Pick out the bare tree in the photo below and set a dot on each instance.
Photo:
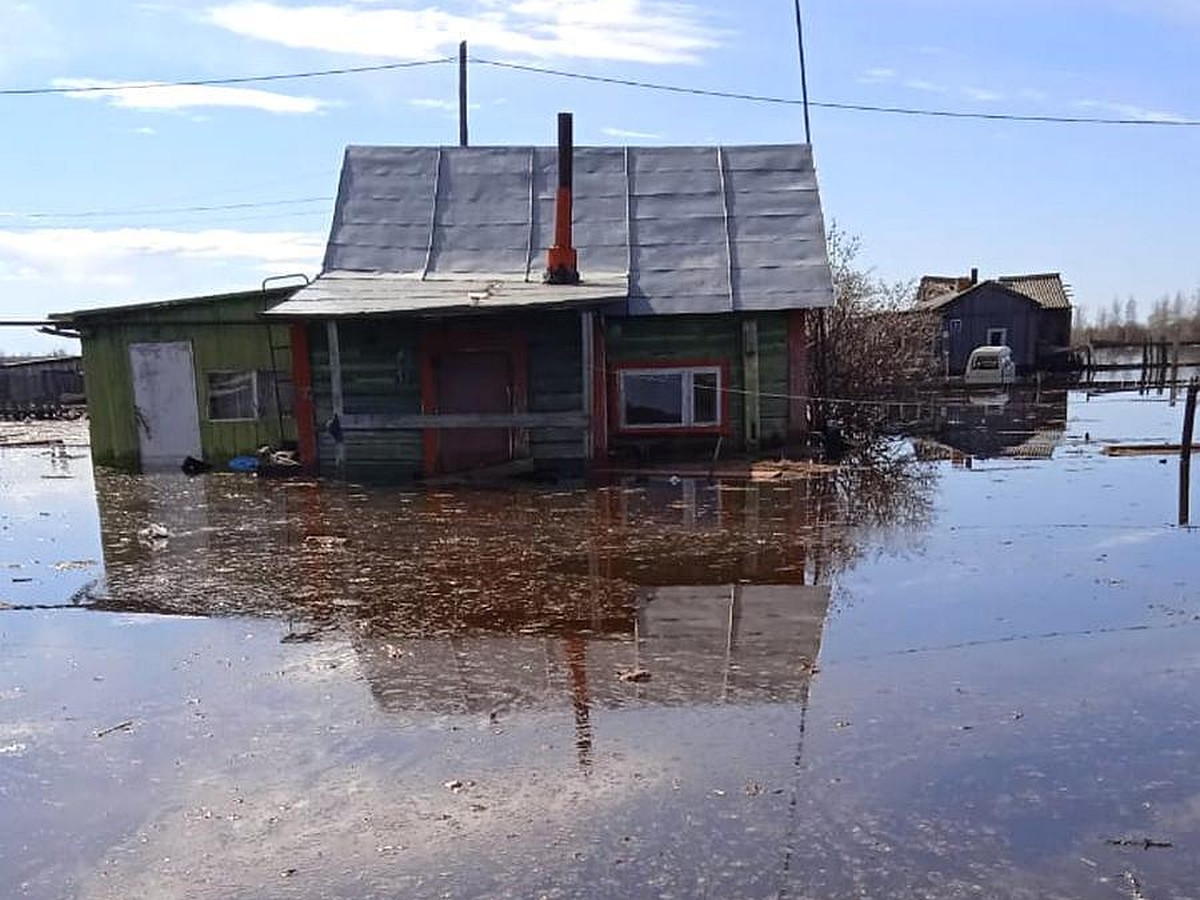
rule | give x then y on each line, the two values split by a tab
878	348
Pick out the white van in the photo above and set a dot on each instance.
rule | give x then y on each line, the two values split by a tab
990	365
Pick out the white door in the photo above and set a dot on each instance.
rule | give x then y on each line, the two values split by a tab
164	397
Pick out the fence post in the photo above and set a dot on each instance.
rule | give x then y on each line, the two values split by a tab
1185	450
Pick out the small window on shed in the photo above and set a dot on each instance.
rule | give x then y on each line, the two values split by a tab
232	396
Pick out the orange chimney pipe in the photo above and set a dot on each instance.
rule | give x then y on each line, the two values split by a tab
562	262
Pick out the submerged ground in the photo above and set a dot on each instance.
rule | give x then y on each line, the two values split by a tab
969	677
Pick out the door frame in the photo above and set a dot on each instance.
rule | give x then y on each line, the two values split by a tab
466	339
138	418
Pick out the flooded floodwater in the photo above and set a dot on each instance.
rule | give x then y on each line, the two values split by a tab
970	675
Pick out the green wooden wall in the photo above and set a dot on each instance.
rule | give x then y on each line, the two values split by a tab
224	335
718	338
381	376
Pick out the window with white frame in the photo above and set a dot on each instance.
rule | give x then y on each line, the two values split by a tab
997	337
684	397
232	396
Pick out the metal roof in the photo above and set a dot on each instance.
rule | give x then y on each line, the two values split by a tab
694	229
354	294
150	307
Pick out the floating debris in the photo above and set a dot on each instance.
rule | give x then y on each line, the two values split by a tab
127	725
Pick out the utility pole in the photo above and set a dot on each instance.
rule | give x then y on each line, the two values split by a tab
462	94
803	73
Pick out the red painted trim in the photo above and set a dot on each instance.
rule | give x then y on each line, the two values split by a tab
305	410
441	339
798	374
600	420
725	427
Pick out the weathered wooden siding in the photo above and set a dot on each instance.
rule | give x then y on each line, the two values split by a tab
991	306
224	335
380	362
380	376
718	338
555	385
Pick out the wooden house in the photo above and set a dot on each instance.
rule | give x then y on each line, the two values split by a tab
26	383
506	308
204	377
1031	314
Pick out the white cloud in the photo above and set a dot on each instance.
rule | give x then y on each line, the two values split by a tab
145	130
981	94
172	97
440	105
113	256
634	135
877	76
647	31
1131	111
928	87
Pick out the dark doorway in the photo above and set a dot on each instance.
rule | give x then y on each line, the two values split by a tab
474	382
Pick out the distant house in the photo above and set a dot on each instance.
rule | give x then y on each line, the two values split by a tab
1029	313
40	381
204	377
437	347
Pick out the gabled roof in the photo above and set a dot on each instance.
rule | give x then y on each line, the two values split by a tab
934	287
1046	290
675	229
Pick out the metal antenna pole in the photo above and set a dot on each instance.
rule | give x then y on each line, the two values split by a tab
803	73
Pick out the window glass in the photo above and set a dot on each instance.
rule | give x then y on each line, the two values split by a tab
653	398
704	398
272	385
231	396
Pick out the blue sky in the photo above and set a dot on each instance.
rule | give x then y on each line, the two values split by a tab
95	188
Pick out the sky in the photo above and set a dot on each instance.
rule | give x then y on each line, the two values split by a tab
112	195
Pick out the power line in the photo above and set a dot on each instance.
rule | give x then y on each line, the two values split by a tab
852	107
207	82
162	210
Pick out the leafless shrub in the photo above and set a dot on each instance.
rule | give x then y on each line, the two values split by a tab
877	349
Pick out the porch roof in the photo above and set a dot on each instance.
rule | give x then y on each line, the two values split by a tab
346	294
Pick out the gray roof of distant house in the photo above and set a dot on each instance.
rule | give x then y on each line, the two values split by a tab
1046	290
683	229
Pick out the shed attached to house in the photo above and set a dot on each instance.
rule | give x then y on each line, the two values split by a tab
201	376
435	346
1031	314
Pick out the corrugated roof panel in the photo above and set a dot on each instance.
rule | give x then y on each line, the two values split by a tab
1047	290
670	215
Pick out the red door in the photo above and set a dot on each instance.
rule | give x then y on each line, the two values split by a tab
474	382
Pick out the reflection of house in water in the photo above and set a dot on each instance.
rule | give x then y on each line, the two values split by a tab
481	602
1017	425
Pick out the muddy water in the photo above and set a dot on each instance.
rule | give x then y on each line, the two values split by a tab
943	680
